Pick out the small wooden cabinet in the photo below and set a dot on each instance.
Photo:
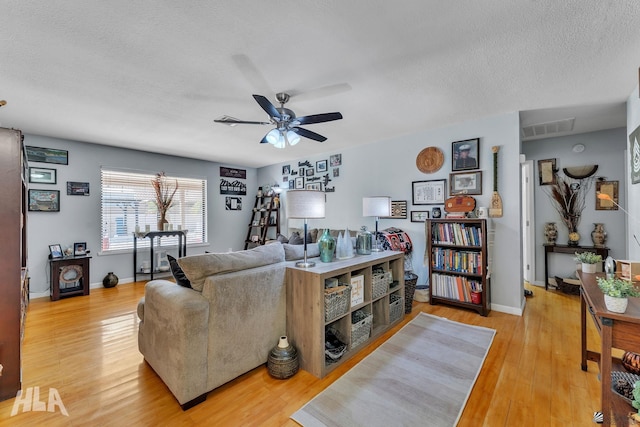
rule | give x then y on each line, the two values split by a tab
69	277
459	263
307	324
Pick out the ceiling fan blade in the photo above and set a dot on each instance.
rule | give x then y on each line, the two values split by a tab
233	121
317	118
319	92
308	134
264	139
267	106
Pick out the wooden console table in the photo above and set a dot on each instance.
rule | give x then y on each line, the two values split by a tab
621	331
566	249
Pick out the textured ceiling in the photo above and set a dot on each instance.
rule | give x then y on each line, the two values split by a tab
152	75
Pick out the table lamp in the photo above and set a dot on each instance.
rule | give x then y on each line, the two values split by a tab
305	204
376	206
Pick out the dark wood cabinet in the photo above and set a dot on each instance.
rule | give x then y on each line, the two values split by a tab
69	277
459	263
14	280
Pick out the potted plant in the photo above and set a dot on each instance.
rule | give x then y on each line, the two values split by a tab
634	417
588	260
616	293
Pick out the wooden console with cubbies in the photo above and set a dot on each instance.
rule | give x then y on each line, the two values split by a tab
319	303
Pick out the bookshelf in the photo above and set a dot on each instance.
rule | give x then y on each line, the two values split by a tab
459	263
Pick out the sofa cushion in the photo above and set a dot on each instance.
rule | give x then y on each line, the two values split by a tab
198	267
282	239
296	252
178	274
295	239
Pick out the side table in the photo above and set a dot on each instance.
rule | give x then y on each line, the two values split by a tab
566	249
69	277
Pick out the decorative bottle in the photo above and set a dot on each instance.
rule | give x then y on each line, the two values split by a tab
110	280
363	242
327	246
283	362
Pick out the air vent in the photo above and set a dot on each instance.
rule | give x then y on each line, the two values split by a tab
548	128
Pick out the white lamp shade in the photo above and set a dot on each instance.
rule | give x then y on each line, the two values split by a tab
305	204
376	206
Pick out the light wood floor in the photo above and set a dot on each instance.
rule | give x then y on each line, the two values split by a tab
86	348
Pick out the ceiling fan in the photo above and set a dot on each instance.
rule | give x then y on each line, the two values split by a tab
287	125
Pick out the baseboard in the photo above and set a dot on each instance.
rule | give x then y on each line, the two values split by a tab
97	285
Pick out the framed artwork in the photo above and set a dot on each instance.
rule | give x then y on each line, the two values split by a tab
321	166
286	170
398	209
464	154
316	186
77	188
47	155
336	172
419	216
357	290
55	251
299	183
80	249
310	172
547	171
465	183
292	184
634	147
610	188
233	203
301	171
335	160
42	176
431	192
44	200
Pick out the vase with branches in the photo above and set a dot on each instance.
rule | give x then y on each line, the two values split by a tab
568	198
165	191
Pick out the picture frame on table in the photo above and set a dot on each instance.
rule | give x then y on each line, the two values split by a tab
419	216
80	249
42	176
429	192
55	251
44	200
465	154
465	183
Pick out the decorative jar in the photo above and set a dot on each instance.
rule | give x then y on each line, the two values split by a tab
110	280
327	246
598	235
283	362
363	242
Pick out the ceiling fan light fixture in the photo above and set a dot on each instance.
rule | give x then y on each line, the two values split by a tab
274	137
292	137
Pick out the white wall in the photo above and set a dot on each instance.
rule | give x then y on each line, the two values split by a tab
387	168
79	216
605	149
633	190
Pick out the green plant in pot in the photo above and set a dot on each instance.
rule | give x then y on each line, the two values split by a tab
616	293
635	416
588	260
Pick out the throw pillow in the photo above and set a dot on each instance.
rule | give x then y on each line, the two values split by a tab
282	239
178	274
296	239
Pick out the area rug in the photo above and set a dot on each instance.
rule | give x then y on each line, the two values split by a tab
421	376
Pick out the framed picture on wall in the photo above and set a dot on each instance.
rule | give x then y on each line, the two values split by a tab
610	190
464	154
432	192
44	200
547	171
419	216
42	176
465	183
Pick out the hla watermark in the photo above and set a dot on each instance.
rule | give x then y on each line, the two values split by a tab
30	401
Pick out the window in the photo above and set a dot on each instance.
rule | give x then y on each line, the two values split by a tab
128	201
